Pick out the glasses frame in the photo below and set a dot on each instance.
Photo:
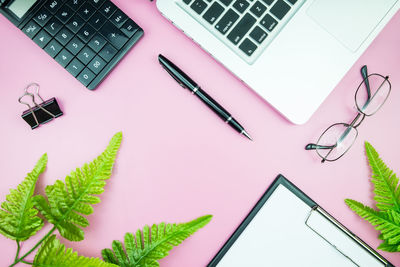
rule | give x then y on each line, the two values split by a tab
356	121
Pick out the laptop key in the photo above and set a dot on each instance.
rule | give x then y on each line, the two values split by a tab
213	13
292	1
258	35
258	9
241	5
187	2
280	9
268	22
240	30
226	2
227	21
268	2
248	47
198	6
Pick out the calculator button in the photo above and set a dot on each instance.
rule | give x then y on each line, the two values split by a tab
86	33
97	64
31	29
42	38
64	58
42	17
129	28
75	4
97	43
86	76
53	48
108	9
53	5
96	3
75	67
64	36
75	46
86	55
53	26
113	35
119	18
64	13
86	11
97	20
75	24
108	52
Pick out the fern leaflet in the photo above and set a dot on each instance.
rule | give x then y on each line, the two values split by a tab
53	254
151	244
388	223
387	189
69	201
18	218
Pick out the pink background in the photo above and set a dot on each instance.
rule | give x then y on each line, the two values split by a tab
178	160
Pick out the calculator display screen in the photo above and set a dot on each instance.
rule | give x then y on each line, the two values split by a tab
20	7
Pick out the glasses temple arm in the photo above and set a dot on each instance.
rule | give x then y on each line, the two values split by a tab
312	146
364	74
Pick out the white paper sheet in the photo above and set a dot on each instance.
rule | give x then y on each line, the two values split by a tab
278	236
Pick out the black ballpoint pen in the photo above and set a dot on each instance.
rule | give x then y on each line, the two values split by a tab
186	82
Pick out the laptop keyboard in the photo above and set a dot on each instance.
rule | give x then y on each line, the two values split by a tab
245	26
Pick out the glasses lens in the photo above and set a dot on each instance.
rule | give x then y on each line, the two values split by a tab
335	141
369	99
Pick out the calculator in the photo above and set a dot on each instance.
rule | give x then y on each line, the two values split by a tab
86	37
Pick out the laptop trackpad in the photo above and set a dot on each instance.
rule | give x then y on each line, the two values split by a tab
350	21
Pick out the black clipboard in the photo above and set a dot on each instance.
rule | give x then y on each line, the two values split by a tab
281	180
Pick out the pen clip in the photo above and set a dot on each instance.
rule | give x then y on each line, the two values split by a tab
175	78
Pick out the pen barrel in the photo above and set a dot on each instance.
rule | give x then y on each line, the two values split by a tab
212	104
218	109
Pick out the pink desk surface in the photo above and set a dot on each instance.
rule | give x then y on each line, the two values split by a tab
178	160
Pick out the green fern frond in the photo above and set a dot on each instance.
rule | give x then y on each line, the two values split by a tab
69	201
387	189
388	223
18	218
151	244
385	246
53	254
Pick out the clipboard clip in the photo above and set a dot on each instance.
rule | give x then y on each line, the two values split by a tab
331	219
38	114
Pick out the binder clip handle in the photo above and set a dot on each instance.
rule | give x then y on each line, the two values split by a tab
38	113
35	87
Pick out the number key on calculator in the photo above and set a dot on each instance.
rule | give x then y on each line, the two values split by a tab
86	37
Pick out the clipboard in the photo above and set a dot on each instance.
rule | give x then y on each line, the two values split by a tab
306	235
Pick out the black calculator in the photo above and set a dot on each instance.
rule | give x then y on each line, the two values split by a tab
87	37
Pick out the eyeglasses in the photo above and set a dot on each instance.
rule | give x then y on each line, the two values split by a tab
370	96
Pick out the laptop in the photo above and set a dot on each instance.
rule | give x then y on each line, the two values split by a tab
292	53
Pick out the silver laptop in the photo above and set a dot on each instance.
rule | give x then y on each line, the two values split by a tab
291	52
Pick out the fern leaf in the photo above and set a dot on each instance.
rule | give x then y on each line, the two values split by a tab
68	202
151	244
387	189
54	254
388	223
18	218
385	246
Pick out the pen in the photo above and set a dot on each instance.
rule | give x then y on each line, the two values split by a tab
186	82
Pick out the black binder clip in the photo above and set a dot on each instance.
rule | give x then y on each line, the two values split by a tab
39	113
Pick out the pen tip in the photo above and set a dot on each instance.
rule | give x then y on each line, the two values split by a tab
247	135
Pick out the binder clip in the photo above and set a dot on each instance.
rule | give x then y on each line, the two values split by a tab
39	113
